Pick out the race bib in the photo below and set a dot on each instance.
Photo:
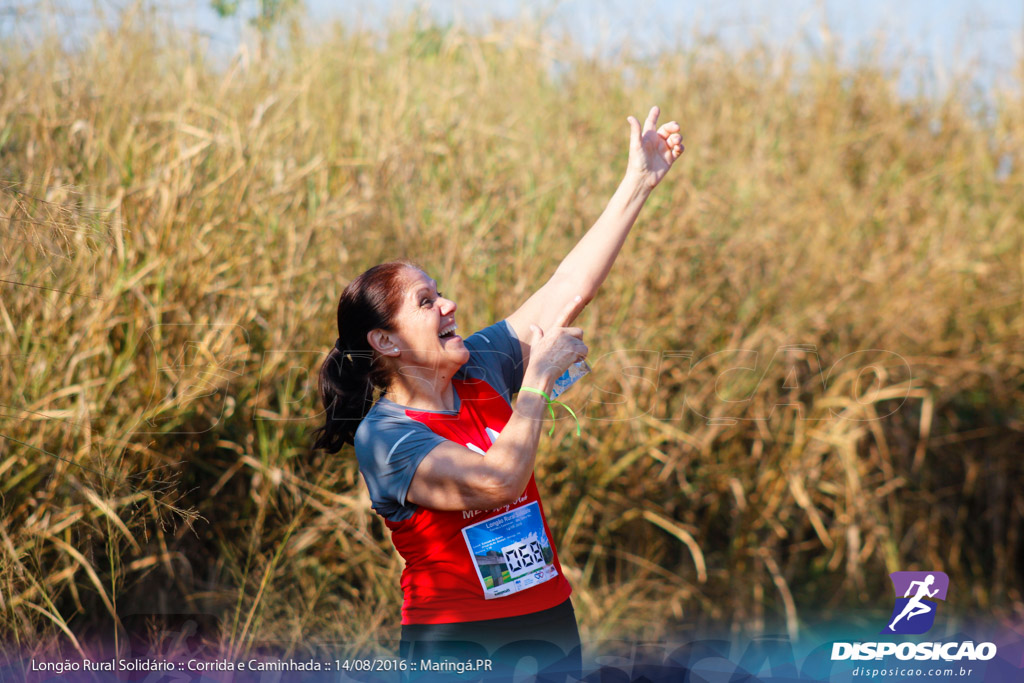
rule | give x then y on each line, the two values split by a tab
511	552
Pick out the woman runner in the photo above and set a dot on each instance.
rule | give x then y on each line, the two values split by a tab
449	461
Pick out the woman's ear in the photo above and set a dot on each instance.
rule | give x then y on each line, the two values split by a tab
382	343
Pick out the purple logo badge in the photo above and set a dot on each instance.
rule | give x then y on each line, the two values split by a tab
916	595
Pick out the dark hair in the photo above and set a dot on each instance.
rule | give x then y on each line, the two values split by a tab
353	369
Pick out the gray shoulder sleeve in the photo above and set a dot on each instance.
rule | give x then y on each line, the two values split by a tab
389	450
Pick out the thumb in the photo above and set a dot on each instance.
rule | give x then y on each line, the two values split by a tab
634	132
538	334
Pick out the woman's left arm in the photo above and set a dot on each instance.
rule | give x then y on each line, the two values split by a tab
651	154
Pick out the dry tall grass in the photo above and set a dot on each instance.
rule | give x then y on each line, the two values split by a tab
175	236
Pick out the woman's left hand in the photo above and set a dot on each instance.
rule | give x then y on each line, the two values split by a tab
653	151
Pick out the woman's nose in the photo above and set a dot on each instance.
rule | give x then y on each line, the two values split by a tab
447	306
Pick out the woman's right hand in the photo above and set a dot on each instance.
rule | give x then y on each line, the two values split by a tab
552	351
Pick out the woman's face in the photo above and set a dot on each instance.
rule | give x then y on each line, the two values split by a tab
424	327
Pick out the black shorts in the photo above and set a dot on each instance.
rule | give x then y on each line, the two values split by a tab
547	642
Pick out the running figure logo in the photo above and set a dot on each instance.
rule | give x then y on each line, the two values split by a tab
914	612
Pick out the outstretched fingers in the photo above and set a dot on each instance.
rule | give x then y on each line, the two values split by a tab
653	149
652	119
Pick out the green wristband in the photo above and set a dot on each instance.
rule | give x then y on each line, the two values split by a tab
551	408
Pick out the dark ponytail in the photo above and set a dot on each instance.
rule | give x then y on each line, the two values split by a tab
353	371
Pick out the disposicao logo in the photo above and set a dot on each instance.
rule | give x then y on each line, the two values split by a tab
916	593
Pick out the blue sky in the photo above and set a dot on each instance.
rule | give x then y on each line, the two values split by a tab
935	38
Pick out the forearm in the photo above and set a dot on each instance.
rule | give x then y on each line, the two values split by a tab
652	151
588	263
512	456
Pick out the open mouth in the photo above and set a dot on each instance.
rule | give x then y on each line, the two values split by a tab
448	331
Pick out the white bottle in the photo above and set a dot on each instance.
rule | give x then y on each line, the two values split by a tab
569	377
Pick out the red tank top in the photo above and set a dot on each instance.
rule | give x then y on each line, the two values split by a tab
478	564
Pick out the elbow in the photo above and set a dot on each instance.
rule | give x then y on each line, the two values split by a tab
575	285
502	490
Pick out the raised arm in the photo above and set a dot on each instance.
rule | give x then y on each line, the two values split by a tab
652	151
